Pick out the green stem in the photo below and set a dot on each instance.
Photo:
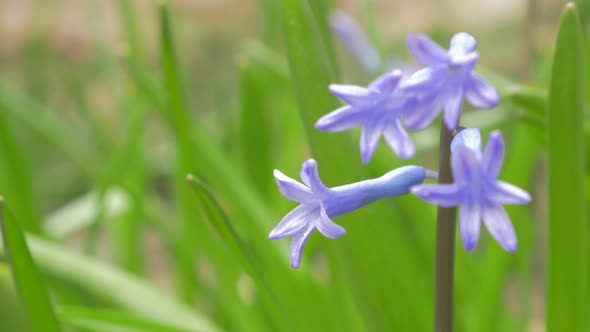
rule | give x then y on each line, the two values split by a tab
445	242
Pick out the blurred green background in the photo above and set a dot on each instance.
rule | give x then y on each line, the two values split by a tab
106	106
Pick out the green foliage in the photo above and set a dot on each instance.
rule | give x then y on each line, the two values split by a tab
567	279
122	241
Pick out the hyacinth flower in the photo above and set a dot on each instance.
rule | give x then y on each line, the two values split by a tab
448	78
476	190
378	109
319	204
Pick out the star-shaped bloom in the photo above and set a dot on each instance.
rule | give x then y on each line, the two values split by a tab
448	78
318	203
476	190
378	109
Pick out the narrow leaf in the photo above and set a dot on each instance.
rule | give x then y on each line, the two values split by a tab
567	305
30	287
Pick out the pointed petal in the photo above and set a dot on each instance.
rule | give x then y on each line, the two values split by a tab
500	227
427	79
370	138
342	119
386	83
298	243
292	189
506	193
493	155
399	141
295	220
426	51
421	116
309	175
352	94
463	42
469	223
445	195
452	106
480	93
327	227
469	137
465	164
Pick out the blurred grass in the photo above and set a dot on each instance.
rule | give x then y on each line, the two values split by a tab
153	122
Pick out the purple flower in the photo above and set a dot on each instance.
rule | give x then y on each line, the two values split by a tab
318	203
447	79
477	190
377	109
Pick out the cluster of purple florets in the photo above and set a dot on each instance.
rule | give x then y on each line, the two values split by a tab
391	104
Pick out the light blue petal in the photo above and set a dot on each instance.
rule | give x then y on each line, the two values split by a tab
500	227
309	176
506	193
370	137
299	218
352	94
386	83
469	137
480	93
327	227
426	51
445	195
298	243
493	155
342	119
399	141
292	189
469	223
466	165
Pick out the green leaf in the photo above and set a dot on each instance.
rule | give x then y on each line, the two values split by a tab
567	303
112	320
109	284
32	291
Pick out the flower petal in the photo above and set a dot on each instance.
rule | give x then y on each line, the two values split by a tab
493	155
292	189
298	243
465	164
352	94
480	93
463	42
399	141
370	137
506	193
386	83
295	220
423	114
427	79
445	195
309	175
500	227
327	227
452	105
342	119
469	223
426	51
469	137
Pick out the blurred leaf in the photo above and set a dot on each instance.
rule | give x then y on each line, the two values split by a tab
109	284
32	292
113	321
567	302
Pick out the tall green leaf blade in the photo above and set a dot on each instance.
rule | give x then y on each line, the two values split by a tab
567	305
32	291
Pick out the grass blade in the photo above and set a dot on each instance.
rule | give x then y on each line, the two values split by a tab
567	306
31	290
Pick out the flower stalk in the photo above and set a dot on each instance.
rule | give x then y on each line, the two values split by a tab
445	241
